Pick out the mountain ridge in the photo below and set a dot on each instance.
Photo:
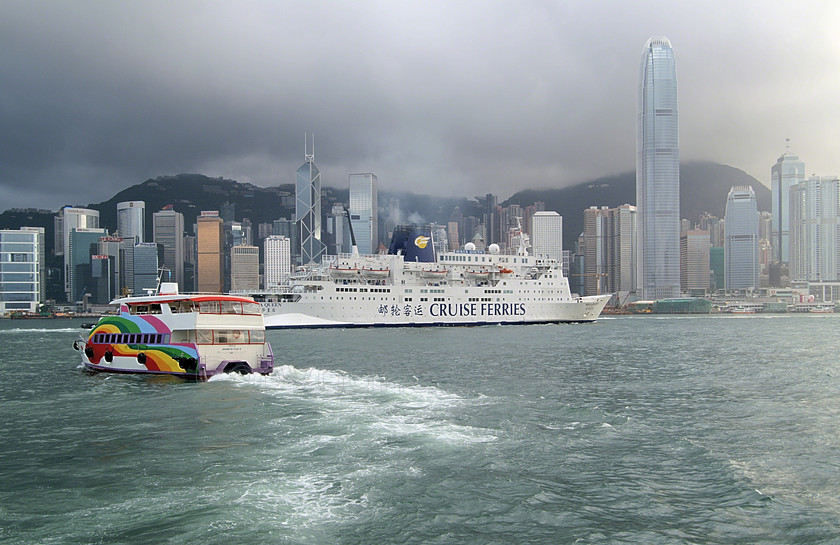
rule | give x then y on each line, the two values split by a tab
704	187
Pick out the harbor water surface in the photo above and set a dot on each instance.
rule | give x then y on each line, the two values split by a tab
708	429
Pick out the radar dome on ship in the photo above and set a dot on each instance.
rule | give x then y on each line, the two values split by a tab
493	248
469	246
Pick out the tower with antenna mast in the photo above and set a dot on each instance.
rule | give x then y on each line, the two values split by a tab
308	206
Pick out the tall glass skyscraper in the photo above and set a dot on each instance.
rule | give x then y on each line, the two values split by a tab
786	173
363	211
740	243
168	229
131	220
658	173
308	209
815	230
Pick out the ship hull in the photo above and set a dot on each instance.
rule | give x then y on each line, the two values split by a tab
372	314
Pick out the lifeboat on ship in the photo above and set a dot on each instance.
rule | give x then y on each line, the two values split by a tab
477	274
375	273
433	273
345	271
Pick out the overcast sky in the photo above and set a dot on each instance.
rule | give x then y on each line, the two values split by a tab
455	98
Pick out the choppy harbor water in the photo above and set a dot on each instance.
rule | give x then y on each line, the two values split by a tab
632	430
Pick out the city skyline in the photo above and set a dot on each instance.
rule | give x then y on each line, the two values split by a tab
427	108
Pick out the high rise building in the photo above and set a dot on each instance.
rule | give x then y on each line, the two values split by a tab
741	263
278	261
609	250
168	230
109	247
147	259
22	281
547	235
658	173
363	211
786	173
244	268
308	209
74	218
595	251
131	220
210	243
695	246
815	230
83	244
452	234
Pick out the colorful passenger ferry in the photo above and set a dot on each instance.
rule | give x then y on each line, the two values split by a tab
189	335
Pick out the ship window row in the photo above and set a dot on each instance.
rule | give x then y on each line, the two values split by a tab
229	336
492	291
131	338
204	307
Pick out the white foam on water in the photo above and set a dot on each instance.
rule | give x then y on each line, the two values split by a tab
340	436
18	330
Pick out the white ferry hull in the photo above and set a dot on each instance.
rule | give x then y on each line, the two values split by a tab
374	314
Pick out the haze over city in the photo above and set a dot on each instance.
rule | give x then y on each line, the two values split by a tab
433	97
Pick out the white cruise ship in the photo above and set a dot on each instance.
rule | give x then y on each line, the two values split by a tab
411	286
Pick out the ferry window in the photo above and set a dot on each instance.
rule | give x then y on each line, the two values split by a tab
258	336
204	336
230	336
231	307
208	307
154	308
250	308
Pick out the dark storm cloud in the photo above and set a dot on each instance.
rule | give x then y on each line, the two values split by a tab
434	97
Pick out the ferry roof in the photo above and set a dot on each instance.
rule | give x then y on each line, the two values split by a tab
166	298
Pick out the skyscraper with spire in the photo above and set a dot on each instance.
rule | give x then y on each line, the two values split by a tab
308	207
786	173
658	173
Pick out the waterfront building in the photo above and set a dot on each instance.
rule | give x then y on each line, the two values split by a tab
815	230
22	269
210	243
716	265
111	248
147	258
244	268
131	220
363	211
609	251
786	173
74	218
101	286
278	261
83	244
338	231
547	235
308	209
595	252
168	230
658	173
741	263
291	230
694	260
